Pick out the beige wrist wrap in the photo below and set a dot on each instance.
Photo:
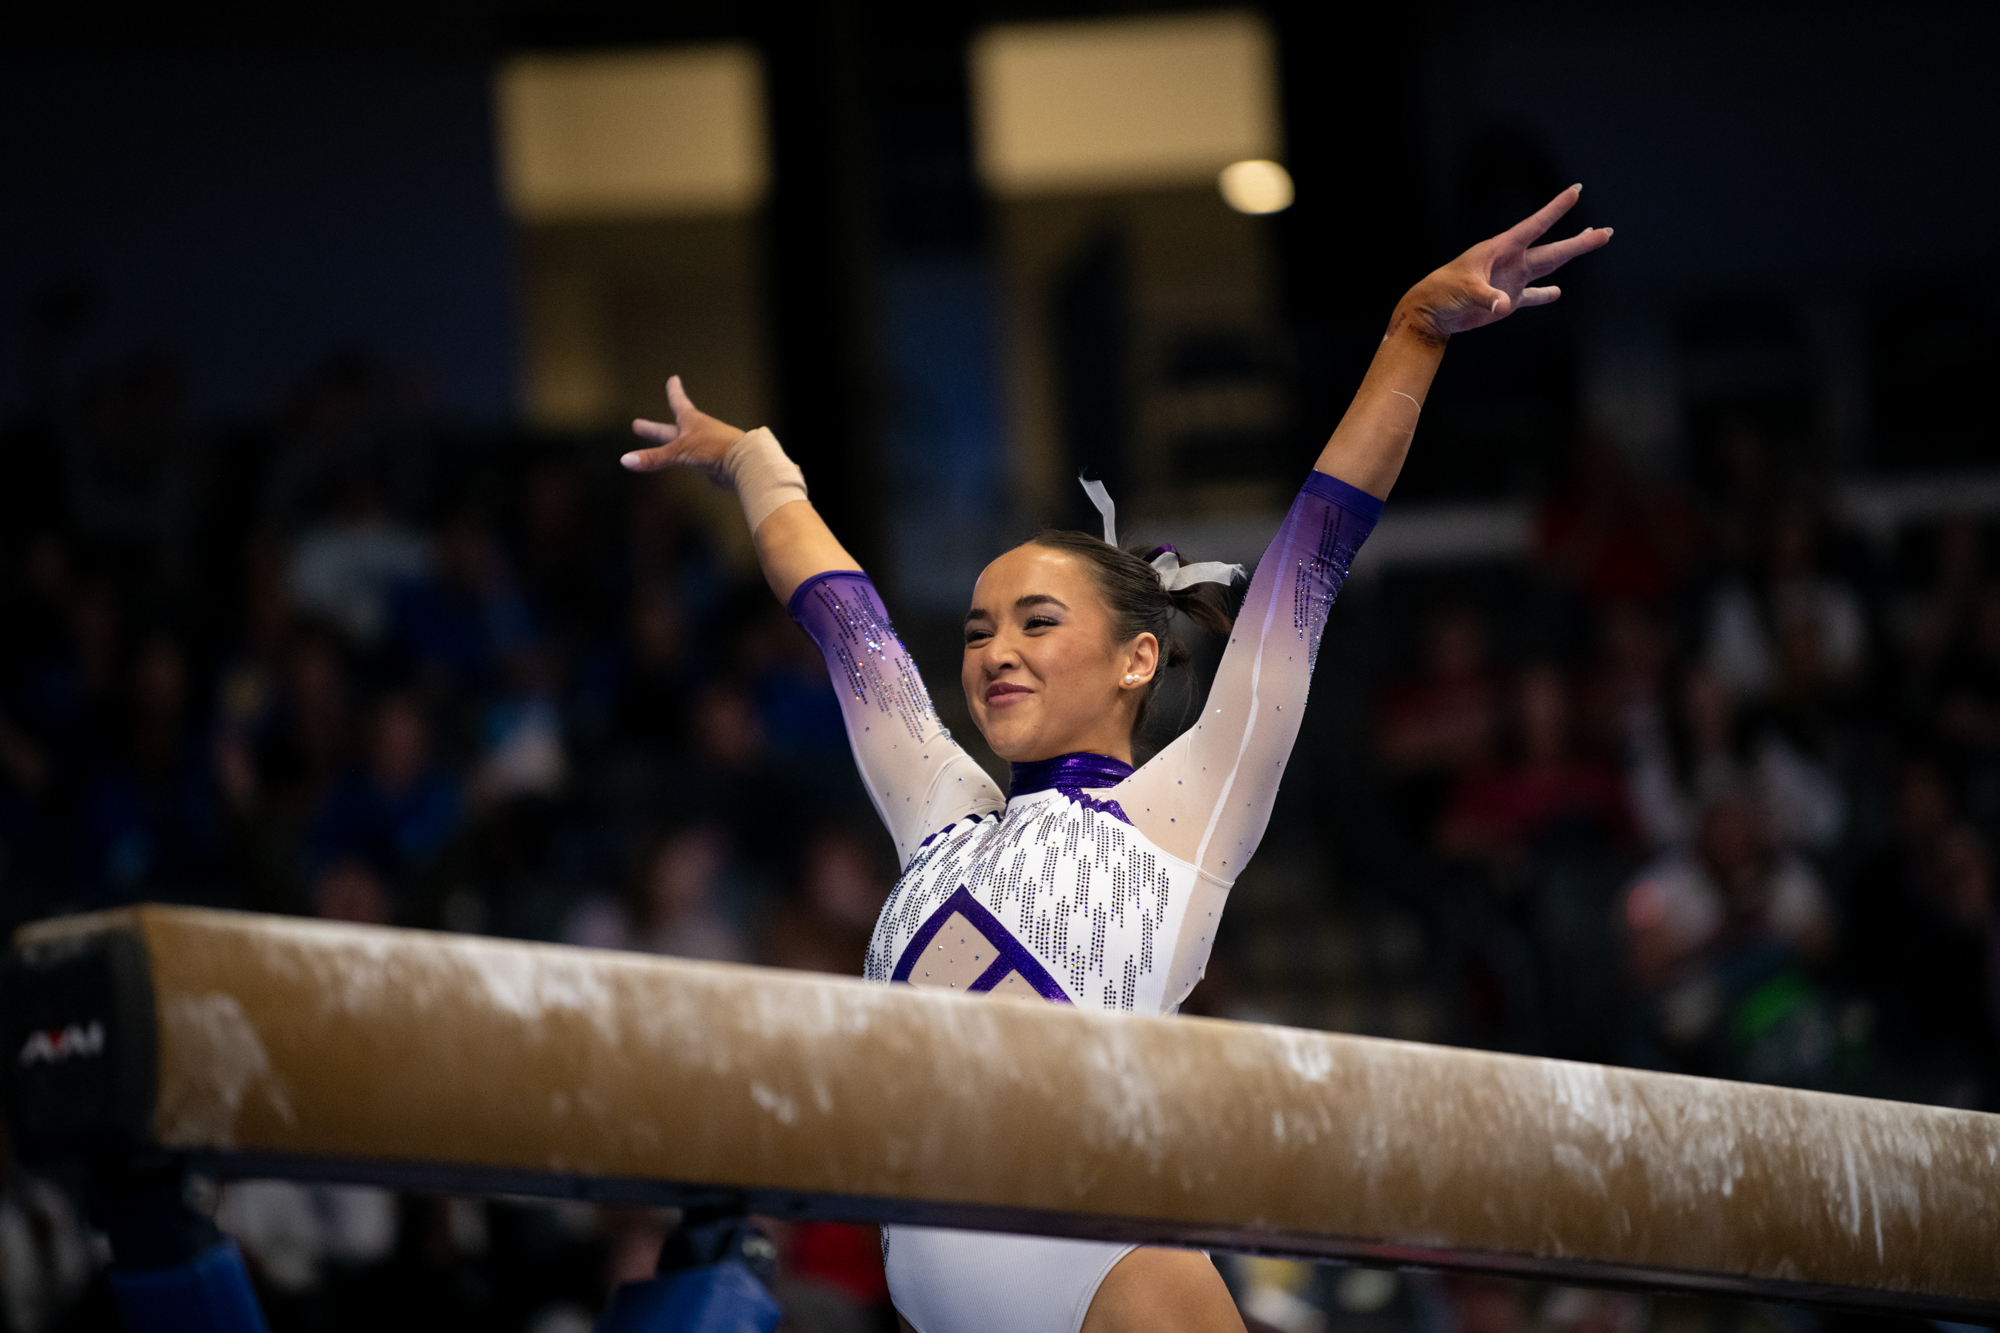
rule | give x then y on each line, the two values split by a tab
763	477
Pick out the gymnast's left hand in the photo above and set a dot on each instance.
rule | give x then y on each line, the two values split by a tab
1490	281
695	439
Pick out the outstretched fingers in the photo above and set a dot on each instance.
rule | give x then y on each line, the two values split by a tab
670	445
1528	228
1538	296
652	460
677	398
1544	259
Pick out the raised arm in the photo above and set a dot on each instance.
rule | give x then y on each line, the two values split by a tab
1482	286
793	541
917	776
1207	797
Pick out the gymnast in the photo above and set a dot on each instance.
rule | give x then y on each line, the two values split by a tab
1091	882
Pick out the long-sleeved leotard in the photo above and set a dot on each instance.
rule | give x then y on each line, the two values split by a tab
1090	884
1107	897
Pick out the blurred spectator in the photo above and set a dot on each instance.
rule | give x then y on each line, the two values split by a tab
1672	772
1499	812
302	738
827	924
1736	884
1923	943
675	905
349	889
1968	712
65	677
1276	1294
1932	619
1629	676
153	820
1481	1304
346	568
731	774
455	620
45	1254
656	694
665	545
293	1233
1794	616
1710	928
523	751
392	817
796	704
1586	1310
1748	477
1613	536
561	562
830	1277
1443	720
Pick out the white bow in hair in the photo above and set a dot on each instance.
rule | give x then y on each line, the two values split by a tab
1102	499
1173	574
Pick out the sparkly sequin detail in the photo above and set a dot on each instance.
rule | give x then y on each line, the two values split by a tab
867	658
1066	873
1088	896
1322	571
1011	956
1067	772
1103	807
1072	774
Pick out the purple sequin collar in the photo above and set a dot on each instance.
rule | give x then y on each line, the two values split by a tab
1071	774
1068	770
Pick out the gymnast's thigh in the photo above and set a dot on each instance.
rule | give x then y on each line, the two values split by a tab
1155	1289
981	1282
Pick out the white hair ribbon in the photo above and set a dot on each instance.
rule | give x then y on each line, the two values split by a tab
1167	564
1174	575
1102	499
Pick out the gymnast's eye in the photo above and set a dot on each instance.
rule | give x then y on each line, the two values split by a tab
976	634
1041	622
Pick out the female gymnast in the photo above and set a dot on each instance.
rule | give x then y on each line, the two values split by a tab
1091	882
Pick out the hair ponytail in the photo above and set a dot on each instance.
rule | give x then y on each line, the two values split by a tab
1140	603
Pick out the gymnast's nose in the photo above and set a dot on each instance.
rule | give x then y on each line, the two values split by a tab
1000	655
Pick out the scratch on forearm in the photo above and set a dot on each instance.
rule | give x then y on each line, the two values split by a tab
1422	328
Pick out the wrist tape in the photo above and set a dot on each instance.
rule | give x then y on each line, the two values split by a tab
763	476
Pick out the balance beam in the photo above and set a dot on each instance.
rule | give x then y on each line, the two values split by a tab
260	1046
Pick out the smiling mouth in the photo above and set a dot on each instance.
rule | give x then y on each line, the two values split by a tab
1001	694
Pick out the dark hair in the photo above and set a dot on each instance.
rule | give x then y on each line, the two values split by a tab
1139	603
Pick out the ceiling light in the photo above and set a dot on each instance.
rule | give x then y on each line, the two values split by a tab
1256	186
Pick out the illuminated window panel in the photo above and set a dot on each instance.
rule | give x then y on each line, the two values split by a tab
647	134
1123	103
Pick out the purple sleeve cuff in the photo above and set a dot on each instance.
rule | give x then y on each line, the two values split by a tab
1351	498
797	604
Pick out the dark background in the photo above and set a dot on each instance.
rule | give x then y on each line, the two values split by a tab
259	286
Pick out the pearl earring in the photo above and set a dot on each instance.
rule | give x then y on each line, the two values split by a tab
1131	676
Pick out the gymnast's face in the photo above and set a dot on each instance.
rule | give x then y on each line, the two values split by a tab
1044	672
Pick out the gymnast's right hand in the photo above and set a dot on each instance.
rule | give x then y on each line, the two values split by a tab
695	439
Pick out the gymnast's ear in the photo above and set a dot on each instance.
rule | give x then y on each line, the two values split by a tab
1142	659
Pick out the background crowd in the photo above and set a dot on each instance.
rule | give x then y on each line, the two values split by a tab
1708	783
1659	724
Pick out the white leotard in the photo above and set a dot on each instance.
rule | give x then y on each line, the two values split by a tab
1094	885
